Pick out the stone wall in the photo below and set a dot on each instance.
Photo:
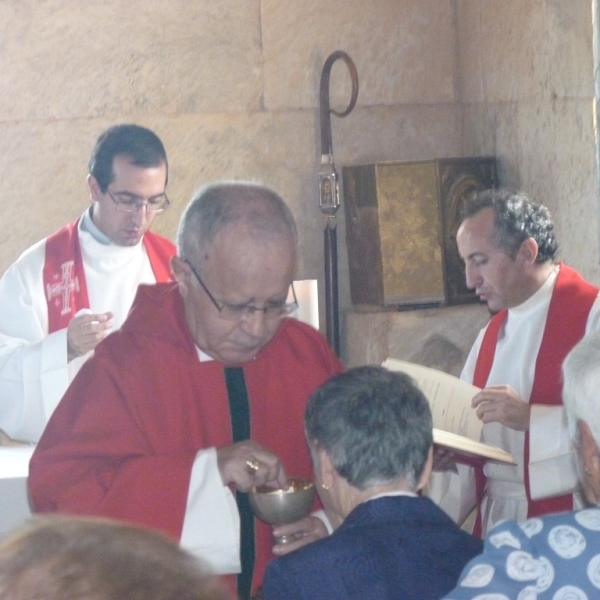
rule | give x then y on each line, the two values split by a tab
526	89
527	92
232	89
439	338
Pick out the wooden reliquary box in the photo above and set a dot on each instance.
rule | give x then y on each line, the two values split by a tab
401	222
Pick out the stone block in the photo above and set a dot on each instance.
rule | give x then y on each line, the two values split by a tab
570	41
513	49
470	67
70	59
492	130
404	51
439	338
559	177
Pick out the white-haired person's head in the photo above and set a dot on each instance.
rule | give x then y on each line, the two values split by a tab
581	397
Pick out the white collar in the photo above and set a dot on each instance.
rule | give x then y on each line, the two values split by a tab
395	493
87	224
203	356
540	296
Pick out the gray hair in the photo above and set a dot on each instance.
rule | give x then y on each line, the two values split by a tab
516	218
216	206
375	425
581	389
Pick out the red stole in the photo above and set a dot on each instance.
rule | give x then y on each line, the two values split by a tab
570	305
64	275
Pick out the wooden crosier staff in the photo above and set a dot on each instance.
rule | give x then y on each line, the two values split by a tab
329	197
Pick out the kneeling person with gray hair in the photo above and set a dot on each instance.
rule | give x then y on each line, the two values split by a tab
370	435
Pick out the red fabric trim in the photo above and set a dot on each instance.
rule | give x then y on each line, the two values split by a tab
160	251
63	277
570	306
485	358
483	366
571	302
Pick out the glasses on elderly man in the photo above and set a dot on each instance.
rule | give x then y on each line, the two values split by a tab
241	312
130	203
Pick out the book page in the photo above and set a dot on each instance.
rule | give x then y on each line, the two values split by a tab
449	398
455	422
468	447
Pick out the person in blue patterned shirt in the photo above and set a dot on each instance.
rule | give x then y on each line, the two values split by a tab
555	557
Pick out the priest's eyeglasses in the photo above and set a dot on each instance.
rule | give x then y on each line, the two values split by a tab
131	203
237	312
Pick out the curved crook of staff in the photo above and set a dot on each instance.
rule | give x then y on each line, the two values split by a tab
325	109
329	193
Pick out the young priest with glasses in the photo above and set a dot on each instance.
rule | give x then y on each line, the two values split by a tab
67	292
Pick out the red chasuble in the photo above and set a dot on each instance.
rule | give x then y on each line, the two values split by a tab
64	274
570	305
124	437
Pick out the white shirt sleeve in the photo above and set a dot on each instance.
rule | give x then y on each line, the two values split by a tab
33	364
211	526
552	469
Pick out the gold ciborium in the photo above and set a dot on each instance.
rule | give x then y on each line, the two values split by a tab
279	507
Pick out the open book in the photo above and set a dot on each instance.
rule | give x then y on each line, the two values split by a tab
456	425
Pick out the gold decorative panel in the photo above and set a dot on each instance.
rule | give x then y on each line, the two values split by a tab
401	221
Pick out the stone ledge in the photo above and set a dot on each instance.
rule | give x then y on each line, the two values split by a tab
435	337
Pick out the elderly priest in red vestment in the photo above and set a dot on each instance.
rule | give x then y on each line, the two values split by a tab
200	395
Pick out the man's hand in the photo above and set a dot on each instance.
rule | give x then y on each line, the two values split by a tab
501	404
85	332
444	459
247	463
307	530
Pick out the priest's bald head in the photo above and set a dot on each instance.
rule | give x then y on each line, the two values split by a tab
237	256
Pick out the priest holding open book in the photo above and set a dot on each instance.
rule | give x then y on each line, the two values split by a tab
542	309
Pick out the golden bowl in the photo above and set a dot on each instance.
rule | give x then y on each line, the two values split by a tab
277	506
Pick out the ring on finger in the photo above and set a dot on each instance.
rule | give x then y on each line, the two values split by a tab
252	466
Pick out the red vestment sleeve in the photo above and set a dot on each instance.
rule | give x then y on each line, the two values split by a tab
123	457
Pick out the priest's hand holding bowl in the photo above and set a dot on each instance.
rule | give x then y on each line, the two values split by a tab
306	530
249	465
